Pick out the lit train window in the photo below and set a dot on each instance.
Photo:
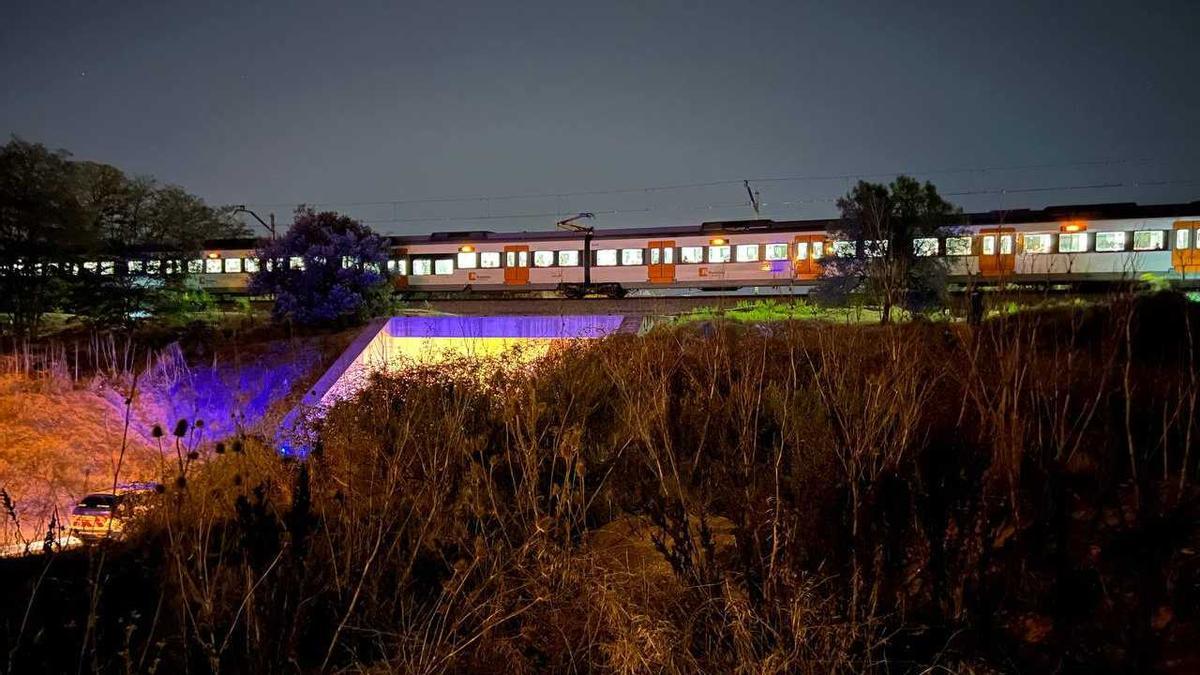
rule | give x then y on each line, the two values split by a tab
1006	244
719	254
1038	243
153	266
296	263
250	265
233	265
90	266
631	256
195	266
1148	240
843	249
568	258
802	251
691	254
443	266
1075	242
925	247
776	252
107	267
958	246
606	257
212	265
1110	241
136	266
817	250
422	267
874	248
489	260
988	245
1183	238
467	260
747	253
543	258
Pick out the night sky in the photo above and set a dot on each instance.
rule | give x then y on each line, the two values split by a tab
354	106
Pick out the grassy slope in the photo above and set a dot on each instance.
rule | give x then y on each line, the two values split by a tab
812	498
61	438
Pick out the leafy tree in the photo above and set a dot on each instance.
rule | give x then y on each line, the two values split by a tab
56	213
341	277
125	212
129	214
881	223
182	221
41	228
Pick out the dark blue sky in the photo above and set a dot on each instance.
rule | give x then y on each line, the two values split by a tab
345	103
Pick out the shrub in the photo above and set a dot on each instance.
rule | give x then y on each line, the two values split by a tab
811	498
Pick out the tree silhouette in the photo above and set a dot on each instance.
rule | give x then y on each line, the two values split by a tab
877	255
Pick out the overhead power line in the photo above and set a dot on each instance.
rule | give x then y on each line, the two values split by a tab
796	201
714	183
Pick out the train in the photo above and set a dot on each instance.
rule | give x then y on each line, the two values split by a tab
1075	244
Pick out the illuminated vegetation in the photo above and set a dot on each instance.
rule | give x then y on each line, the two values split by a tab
813	498
769	310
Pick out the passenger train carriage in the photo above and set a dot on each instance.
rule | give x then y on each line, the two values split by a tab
1089	243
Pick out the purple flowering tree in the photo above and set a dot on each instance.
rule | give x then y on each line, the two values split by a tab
327	269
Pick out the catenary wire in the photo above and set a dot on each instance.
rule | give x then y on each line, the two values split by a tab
713	183
797	201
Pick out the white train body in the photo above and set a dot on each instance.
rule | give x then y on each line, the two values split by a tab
1097	243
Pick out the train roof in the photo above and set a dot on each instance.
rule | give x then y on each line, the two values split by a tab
1108	211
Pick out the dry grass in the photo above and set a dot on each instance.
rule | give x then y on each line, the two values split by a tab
57	446
63	409
791	498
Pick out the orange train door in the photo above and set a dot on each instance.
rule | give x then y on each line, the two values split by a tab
1185	249
398	265
997	251
661	269
516	265
808	250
